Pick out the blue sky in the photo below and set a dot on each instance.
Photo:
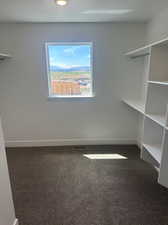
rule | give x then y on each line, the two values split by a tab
69	56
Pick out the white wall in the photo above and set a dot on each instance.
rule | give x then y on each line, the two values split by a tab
7	214
29	118
158	27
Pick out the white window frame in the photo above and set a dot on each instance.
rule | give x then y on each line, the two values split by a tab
50	95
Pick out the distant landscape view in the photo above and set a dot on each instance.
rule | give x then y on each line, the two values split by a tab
70	70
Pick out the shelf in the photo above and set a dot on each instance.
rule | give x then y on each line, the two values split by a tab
4	56
155	151
150	92
137	105
158	82
160	119
160	43
157	169
140	52
144	51
156	105
147	157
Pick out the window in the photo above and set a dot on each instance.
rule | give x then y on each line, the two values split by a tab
69	68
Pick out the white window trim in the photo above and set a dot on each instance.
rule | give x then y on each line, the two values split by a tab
50	96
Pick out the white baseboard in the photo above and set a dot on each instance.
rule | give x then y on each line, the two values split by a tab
16	222
66	142
139	144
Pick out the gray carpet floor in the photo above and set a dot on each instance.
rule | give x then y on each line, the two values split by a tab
59	186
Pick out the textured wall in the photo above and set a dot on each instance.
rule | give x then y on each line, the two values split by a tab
30	118
157	27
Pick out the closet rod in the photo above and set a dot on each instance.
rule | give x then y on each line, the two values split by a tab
138	56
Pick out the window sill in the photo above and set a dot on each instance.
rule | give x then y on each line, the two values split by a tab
71	98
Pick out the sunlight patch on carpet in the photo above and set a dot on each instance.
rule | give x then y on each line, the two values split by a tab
104	156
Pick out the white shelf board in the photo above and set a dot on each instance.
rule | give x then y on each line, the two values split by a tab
155	151
137	105
158	82
160	43
146	49
4	56
160	119
157	169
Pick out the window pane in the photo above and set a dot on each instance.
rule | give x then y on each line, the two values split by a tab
70	70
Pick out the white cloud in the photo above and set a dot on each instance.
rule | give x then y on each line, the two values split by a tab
67	66
71	50
52	62
62	66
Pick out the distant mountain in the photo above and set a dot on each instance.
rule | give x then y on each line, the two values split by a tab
72	69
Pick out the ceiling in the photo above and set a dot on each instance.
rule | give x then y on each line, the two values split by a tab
80	10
